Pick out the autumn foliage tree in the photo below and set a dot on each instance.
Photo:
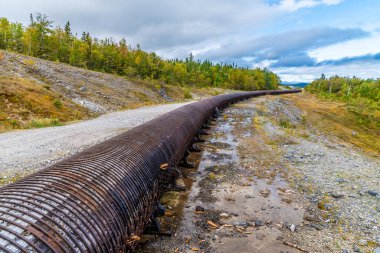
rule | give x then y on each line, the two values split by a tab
40	39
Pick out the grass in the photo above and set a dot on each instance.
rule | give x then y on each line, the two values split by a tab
335	118
46	122
285	123
187	94
27	104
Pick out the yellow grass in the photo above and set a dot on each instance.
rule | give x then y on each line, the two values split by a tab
26	104
334	118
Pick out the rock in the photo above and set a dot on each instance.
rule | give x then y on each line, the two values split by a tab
356	249
316	226
378	239
308	217
354	133
215	237
243	224
224	215
259	223
287	200
337	195
180	184
199	209
260	236
363	242
361	217
265	193
83	88
235	214
341	180
251	223
328	206
279	238
372	193
345	251
292	227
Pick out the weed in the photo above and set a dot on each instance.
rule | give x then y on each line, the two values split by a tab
46	122
46	86
14	123
29	62
285	123
58	104
212	176
187	94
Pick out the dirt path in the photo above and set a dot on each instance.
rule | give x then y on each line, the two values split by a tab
270	182
27	150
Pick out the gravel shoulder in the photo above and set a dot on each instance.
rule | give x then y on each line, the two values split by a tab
25	151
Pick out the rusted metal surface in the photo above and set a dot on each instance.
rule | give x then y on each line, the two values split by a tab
101	199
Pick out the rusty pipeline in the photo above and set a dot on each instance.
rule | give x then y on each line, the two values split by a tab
101	199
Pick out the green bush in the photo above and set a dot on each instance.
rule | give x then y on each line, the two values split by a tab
57	104
362	97
187	94
46	122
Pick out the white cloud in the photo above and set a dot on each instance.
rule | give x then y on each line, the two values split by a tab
368	69
264	64
294	5
353	48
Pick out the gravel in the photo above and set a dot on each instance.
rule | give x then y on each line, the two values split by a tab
338	177
28	150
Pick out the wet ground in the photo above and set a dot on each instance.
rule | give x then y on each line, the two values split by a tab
238	201
269	180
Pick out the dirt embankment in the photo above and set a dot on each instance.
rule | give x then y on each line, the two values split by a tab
269	180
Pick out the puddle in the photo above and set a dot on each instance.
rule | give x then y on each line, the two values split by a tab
226	183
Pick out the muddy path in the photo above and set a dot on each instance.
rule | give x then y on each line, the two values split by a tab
267	181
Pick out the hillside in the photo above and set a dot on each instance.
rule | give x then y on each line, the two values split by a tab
36	92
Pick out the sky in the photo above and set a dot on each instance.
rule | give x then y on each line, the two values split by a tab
297	39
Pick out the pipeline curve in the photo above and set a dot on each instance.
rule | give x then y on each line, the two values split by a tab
101	199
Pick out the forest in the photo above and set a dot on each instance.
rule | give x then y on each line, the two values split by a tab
361	96
40	39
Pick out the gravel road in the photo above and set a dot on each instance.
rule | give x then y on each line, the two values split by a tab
24	151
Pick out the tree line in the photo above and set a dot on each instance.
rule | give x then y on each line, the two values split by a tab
361	95
40	39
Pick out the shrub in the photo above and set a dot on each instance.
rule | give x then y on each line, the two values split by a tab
187	94
38	123
57	104
285	123
29	62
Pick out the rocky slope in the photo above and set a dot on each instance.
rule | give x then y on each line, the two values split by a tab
98	92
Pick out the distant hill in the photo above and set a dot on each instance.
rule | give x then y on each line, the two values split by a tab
292	84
